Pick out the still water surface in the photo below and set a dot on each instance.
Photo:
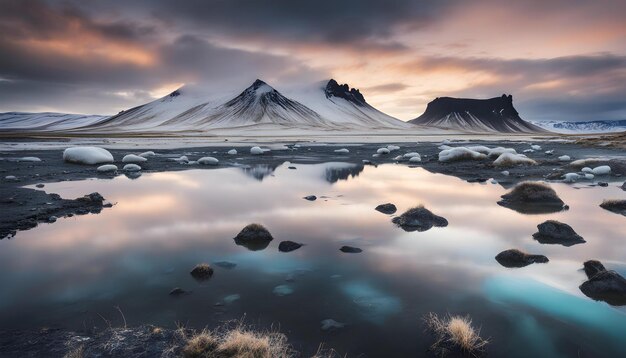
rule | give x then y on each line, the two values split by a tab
68	273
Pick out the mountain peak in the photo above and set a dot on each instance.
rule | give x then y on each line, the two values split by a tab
484	115
334	89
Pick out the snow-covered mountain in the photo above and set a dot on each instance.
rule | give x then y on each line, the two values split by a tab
324	106
45	121
583	127
344	106
476	115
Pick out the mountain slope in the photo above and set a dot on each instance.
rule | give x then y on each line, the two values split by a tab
46	121
344	106
583	127
475	115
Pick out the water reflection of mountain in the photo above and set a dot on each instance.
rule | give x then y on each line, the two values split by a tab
341	171
259	171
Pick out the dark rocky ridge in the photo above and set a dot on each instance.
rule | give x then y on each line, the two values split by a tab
334	89
480	115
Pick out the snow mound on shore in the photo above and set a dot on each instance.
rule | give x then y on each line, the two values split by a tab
132	158
107	168
87	155
459	153
511	159
208	161
602	170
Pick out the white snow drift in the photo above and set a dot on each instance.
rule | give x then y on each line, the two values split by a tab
208	161
459	153
256	151
511	159
602	170
342	150
87	155
107	168
132	158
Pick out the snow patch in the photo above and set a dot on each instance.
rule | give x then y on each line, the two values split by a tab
459	153
208	161
232	152
107	168
256	151
602	170
511	159
565	158
132	158
87	155
342	150
132	168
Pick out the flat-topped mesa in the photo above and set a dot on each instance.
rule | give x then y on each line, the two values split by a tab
334	89
483	115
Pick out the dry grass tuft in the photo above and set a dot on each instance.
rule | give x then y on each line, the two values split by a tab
239	342
200	345
78	352
454	333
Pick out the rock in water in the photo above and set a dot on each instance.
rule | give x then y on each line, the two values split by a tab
254	237
202	272
330	324
517	258
288	246
350	249
532	198
419	219
592	267
310	197
616	206
177	291
387	208
604	285
555	232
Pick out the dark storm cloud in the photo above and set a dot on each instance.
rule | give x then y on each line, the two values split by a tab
327	21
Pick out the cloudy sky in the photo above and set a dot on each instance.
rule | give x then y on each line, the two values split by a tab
561	59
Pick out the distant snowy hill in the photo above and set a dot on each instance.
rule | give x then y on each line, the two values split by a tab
494	115
46	121
583	127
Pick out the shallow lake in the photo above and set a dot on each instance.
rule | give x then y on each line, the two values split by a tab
71	273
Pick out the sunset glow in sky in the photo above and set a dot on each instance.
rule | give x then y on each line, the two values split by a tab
561	59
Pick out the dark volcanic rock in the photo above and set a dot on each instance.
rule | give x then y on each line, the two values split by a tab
254	237
287	246
517	258
495	114
310	197
350	249
177	291
555	232
419	219
624	186
202	272
333	89
592	267
532	198
23	208
387	208
604	285
616	206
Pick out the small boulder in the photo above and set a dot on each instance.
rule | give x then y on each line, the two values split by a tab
604	285
616	206
254	237
555	232
387	208
532	198
593	267
202	272
288	246
516	258
419	219
177	291
310	197
350	250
